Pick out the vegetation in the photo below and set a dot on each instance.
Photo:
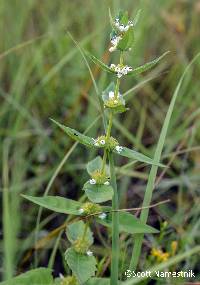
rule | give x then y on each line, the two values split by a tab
46	73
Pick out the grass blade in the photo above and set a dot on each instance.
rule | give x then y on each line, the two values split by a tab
154	169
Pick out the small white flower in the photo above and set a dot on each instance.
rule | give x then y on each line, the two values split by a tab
112	66
115	101
102	216
114	42
89	253
92	181
111	49
61	276
117	69
119	74
130	23
119	95
81	211
126	28
129	68
107	183
111	94
124	70
119	148
102	142
121	28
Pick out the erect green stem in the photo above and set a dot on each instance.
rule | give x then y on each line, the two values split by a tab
104	162
108	132
115	225
109	126
117	88
85	230
115	202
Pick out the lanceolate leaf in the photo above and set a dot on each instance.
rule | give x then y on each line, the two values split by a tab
111	20
123	17
76	230
137	156
56	204
39	276
146	66
98	193
100	63
76	135
82	265
128	223
137	17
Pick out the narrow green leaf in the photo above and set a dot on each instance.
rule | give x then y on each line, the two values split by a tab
82	266
100	63
56	204
75	135
111	19
137	156
94	165
39	276
147	66
137	17
76	230
98	193
128	223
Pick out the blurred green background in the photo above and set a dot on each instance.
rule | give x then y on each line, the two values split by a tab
43	75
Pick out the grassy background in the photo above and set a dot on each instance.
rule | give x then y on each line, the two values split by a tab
43	75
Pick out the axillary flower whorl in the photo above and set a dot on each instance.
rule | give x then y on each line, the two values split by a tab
91	208
121	69
81	245
108	143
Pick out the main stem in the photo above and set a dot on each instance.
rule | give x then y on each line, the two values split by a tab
115	202
115	225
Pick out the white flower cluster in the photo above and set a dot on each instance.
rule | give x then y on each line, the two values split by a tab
121	70
122	28
99	143
114	42
118	148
